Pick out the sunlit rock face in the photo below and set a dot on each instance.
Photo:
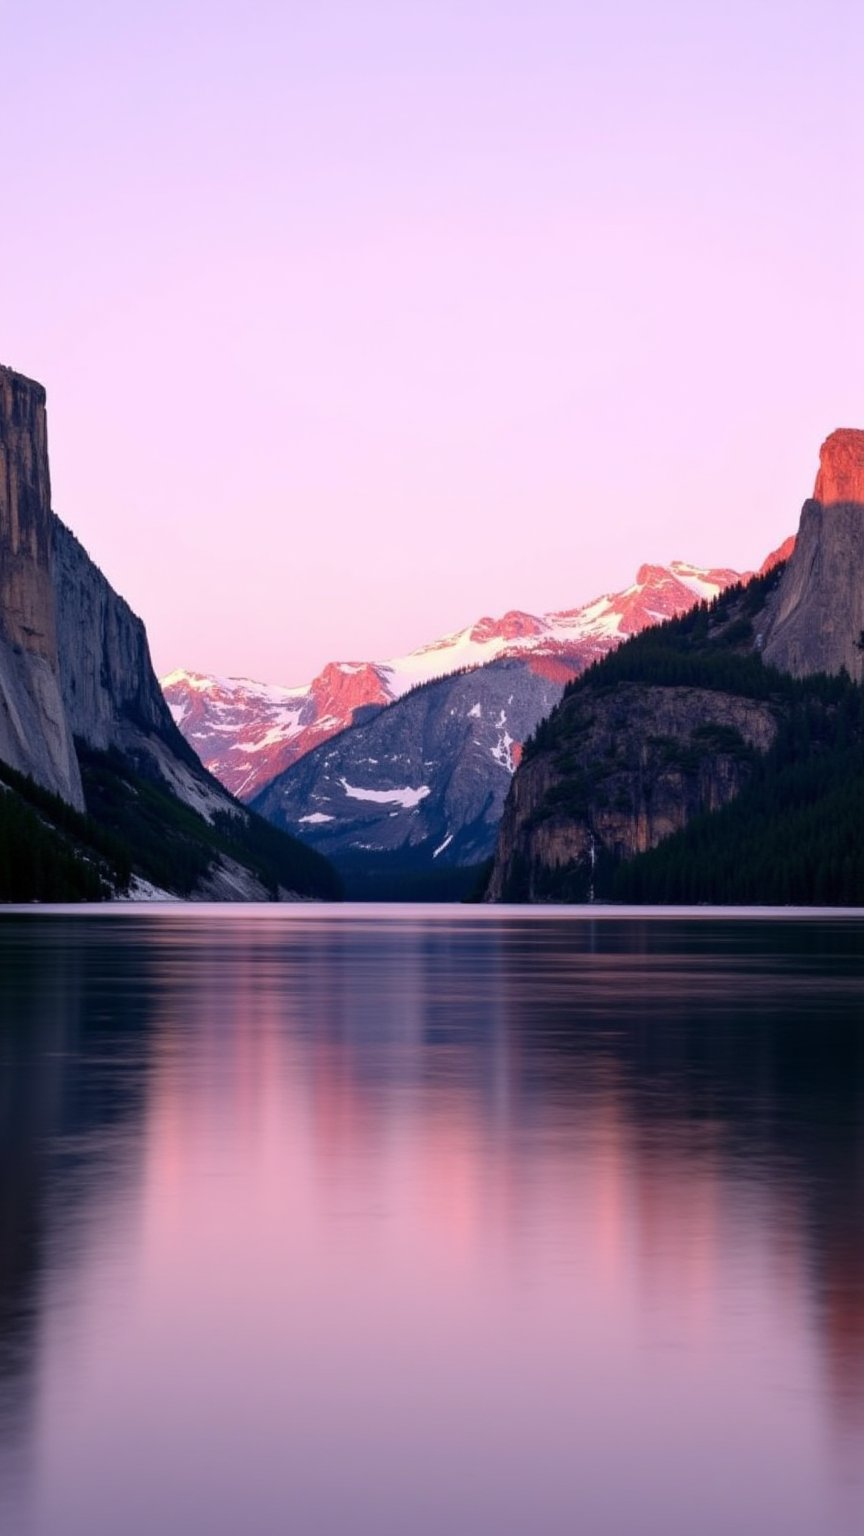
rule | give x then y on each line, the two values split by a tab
778	556
248	733
841	468
817	618
35	734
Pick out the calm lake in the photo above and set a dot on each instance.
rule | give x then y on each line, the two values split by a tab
430	1222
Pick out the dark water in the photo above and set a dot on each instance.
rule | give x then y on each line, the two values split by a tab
404	1224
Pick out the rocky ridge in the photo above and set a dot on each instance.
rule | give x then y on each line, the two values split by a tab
249	732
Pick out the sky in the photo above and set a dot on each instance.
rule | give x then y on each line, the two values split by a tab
362	318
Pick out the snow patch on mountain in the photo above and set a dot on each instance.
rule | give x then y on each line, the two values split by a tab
502	751
407	798
248	733
422	780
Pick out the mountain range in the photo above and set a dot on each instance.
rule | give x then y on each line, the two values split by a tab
698	736
398	771
249	732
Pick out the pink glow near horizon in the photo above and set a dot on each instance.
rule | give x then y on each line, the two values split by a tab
359	320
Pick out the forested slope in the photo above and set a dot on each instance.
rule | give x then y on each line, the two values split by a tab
682	768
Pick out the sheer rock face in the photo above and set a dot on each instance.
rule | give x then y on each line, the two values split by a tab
27	608
640	762
35	734
74	658
841	468
109	685
75	673
816	620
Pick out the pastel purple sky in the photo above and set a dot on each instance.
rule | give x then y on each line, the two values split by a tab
360	319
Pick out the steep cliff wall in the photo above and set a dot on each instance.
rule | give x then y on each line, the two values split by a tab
107	676
34	731
82	715
74	658
634	765
111	694
817	617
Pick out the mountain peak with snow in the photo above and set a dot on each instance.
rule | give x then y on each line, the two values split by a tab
513	625
248	732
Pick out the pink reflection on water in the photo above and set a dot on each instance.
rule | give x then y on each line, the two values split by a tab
379	1262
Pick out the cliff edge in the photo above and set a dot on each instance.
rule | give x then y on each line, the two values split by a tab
85	728
816	621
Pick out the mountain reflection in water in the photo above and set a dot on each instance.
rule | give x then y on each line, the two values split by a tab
418	1221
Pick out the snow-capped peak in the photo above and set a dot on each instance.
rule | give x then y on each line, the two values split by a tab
247	732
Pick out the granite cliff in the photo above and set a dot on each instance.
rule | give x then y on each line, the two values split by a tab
112	697
35	732
634	765
84	726
75	660
816	621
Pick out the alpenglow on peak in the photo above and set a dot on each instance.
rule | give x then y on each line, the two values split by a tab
841	468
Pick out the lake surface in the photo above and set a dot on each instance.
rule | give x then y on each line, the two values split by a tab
430	1222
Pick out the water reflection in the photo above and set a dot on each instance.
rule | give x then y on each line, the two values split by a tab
318	1222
